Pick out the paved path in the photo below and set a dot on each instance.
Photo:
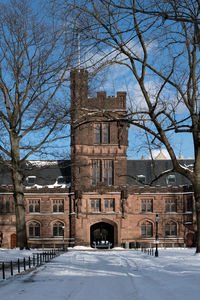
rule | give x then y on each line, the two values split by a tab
86	275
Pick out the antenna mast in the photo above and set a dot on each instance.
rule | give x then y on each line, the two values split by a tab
79	51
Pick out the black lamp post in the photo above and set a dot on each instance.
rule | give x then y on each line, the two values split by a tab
156	239
63	231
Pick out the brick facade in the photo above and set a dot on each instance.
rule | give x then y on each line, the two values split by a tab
99	204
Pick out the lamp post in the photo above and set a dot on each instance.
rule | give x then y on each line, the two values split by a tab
63	232
156	238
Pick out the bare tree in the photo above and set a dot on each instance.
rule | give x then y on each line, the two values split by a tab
158	41
36	51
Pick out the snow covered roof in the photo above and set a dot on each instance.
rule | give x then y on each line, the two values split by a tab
42	173
47	173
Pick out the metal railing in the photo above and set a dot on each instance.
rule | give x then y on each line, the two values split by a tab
10	268
148	251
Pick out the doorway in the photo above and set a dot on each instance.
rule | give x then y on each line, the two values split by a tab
102	232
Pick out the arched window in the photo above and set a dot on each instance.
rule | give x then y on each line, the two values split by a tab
58	229
146	229
34	206
34	229
55	207
58	205
61	206
171	229
170	206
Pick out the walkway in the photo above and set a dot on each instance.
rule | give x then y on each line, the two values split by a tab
102	275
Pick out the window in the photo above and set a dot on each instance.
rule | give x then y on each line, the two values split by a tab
95	205
58	205
141	178
171	179
13	206
147	205
1	205
7	206
170	206
171	229
105	133
97	134
102	133
96	171
31	180
34	206
109	204
61	180
147	229
58	229
189	204
34	230
102	171
108	172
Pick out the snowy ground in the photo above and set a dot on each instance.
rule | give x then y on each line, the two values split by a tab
102	275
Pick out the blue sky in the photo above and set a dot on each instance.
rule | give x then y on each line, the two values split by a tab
118	78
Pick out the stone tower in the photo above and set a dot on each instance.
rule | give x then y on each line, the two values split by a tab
99	137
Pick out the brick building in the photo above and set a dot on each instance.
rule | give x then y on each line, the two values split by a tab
99	195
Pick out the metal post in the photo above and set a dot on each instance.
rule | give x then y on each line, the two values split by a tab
63	228
18	265
156	237
3	270
11	268
24	264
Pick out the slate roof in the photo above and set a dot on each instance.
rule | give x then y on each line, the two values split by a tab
47	174
145	167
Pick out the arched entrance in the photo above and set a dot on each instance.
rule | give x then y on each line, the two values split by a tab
102	232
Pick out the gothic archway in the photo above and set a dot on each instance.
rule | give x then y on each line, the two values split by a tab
102	232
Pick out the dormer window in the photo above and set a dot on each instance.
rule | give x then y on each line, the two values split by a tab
171	179
61	180
141	178
31	180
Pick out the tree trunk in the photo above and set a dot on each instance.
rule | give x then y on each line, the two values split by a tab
18	193
196	182
19	210
197	203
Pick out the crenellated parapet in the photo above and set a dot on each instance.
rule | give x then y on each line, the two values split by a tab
79	95
110	102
